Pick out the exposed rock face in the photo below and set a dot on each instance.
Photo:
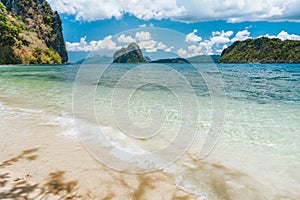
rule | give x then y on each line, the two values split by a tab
38	17
262	50
131	54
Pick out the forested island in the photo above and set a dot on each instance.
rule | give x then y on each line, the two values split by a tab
262	50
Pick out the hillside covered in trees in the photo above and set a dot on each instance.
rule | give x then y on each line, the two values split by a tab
31	33
262	50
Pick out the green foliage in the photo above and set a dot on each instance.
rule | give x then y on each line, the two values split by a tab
38	51
2	7
7	56
14	33
33	60
263	50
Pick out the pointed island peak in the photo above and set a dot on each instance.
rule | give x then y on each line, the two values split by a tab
131	54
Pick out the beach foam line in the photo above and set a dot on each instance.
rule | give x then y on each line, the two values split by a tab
114	138
6	106
123	149
1	106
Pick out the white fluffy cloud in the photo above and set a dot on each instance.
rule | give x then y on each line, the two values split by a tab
193	46
182	10
145	25
240	10
220	40
182	52
142	38
285	36
83	45
145	41
125	39
102	9
241	35
221	37
216	43
192	37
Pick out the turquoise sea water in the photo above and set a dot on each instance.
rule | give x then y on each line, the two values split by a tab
257	155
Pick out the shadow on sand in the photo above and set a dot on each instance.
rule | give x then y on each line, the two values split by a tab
21	188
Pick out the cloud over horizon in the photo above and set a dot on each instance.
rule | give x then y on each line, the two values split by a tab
220	40
181	10
142	38
192	44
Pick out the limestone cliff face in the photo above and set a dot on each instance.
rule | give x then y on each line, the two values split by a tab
38	17
131	54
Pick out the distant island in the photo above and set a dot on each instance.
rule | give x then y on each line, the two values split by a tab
95	59
31	33
171	60
262	50
133	54
204	59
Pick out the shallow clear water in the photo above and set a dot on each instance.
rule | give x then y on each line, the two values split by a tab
257	155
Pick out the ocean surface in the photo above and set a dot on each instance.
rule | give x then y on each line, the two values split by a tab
254	108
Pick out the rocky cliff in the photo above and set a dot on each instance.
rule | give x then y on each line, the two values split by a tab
34	31
262	50
131	54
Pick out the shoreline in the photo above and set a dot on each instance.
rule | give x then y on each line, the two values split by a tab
36	154
40	157
38	148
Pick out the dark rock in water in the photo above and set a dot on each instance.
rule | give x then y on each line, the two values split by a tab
171	60
131	54
44	27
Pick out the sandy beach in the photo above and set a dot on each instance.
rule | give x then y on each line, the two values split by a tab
38	162
42	157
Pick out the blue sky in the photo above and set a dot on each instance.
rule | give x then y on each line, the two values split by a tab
207	27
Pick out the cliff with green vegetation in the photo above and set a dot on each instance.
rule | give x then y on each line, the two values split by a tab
262	50
31	33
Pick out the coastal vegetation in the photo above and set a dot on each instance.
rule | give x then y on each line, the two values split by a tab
262	50
31	33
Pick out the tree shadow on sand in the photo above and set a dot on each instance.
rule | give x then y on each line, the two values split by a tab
56	187
20	188
26	154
